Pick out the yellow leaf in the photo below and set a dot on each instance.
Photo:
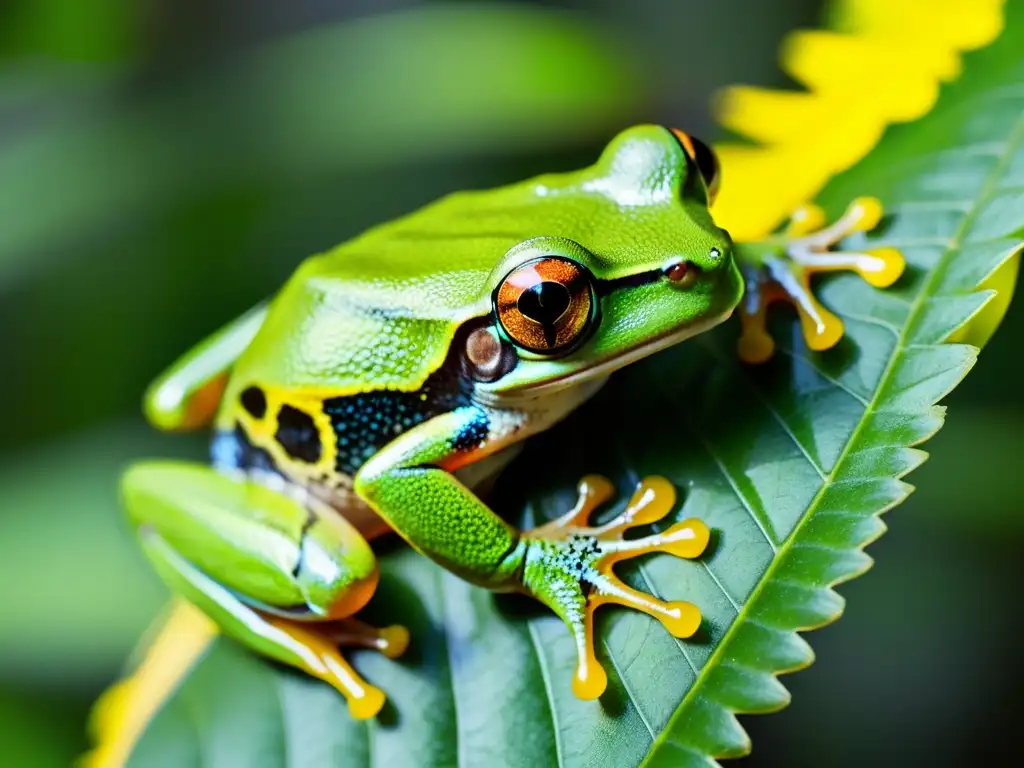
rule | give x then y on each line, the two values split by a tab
882	63
125	709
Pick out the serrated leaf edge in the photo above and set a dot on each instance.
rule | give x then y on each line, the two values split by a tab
740	744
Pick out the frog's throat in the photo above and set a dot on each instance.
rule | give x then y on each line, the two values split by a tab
611	364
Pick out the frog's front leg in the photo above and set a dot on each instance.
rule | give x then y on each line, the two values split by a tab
276	572
780	268
564	564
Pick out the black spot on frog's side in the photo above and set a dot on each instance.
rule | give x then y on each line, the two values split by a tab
254	401
297	435
362	423
365	423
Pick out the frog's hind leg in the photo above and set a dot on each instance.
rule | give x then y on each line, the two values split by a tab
283	640
780	269
275	574
567	553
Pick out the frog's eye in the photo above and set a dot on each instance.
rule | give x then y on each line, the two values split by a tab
546	305
705	159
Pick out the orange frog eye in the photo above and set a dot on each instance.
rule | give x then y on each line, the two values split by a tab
705	159
546	305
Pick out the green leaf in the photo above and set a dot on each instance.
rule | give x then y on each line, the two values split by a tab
789	463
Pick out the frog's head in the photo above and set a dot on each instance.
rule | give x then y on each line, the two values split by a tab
630	262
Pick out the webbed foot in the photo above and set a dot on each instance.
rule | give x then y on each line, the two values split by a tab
569	566
780	268
280	576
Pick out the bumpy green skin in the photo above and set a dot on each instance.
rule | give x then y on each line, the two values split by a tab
547	569
380	314
434	511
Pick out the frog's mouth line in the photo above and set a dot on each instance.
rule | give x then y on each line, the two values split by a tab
610	365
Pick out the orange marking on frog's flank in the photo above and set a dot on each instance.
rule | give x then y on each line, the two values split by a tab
686	141
202	404
126	708
355	596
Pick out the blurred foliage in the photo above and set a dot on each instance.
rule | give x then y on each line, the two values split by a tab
68	30
162	167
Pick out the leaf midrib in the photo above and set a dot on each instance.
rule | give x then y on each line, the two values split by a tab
545	676
989	188
439	578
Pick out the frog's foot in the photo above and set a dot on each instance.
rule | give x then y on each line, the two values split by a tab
780	268
307	645
569	567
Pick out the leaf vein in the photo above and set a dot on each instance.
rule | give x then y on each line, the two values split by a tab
830	379
632	698
439	577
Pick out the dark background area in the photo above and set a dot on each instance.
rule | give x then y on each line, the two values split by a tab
164	165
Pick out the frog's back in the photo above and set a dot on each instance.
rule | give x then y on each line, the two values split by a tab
379	311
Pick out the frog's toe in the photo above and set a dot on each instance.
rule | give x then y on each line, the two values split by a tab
804	251
319	656
392	641
570	567
368	705
808	244
687	539
804	220
807	223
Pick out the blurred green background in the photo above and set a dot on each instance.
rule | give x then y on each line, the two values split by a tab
165	164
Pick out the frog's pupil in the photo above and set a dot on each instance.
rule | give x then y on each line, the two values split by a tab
545	302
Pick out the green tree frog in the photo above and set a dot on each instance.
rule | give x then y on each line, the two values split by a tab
391	377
